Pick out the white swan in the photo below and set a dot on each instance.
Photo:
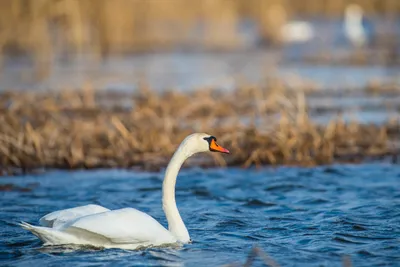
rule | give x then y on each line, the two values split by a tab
291	31
126	228
297	31
353	25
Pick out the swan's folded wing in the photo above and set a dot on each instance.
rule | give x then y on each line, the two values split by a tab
57	218
122	226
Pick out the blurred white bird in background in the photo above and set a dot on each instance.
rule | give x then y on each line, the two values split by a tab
297	32
353	25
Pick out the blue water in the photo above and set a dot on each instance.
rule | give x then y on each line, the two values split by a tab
298	216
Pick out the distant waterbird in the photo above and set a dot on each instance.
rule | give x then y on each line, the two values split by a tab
277	28
354	27
297	32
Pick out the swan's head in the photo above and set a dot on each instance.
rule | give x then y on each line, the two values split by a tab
202	142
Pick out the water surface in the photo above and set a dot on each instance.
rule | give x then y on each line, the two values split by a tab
299	216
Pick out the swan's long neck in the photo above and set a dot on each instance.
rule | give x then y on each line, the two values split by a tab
175	222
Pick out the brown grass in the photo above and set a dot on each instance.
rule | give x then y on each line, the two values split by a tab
88	129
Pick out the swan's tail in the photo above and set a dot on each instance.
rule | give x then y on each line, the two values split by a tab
49	236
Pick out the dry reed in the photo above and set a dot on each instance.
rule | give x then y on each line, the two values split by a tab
89	129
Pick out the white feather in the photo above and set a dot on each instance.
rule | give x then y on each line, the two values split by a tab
58	218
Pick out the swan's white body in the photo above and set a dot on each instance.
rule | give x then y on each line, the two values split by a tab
126	228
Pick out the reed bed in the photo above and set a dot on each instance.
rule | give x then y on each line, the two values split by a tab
93	129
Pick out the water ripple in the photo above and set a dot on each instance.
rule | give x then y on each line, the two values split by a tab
298	216
258	203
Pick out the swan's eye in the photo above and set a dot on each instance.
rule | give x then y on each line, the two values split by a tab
210	139
213	146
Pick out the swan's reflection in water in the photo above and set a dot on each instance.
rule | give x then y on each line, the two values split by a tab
167	255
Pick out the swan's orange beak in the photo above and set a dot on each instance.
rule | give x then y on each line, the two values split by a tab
217	148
